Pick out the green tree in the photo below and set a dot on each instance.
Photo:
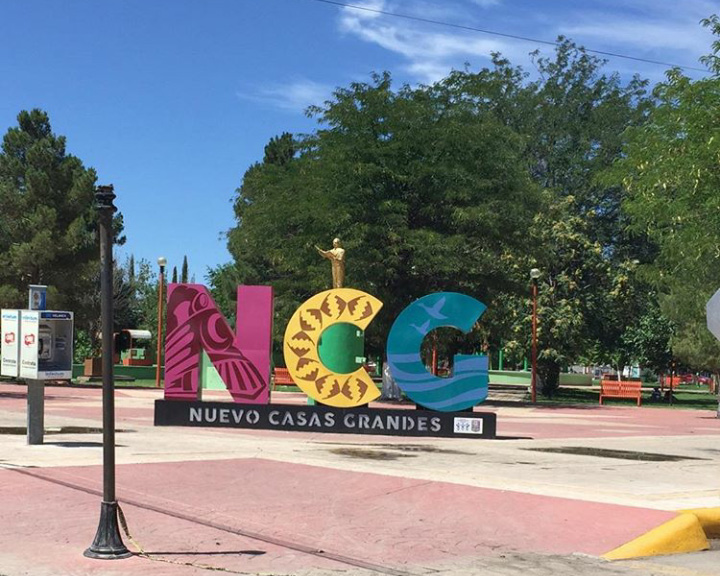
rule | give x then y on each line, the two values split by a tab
572	267
124	310
671	175
650	337
437	188
184	273
47	220
146	302
131	269
572	120
46	215
280	150
426	195
224	280
174	278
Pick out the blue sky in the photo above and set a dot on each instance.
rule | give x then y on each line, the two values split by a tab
172	100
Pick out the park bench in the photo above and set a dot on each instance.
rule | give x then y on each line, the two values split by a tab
282	378
620	389
673	382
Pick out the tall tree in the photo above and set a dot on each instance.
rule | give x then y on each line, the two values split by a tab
418	189
47	218
280	150
174	278
574	277
184	273
671	174
424	183
131	269
572	120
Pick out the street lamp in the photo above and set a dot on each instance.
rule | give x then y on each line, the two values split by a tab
534	275
108	544
161	282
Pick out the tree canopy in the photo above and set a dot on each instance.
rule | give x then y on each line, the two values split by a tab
671	173
441	188
48	223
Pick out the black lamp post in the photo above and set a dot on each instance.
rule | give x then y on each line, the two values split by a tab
534	275
108	544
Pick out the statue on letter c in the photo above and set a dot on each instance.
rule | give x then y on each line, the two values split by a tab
337	258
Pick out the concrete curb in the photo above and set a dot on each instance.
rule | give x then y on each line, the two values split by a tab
709	519
687	532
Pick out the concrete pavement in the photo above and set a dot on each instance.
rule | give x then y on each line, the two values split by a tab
297	503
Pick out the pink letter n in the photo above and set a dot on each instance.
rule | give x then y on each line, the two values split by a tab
242	359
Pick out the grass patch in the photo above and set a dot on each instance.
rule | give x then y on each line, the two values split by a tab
683	400
120	384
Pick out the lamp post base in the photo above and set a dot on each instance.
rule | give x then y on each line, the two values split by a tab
108	544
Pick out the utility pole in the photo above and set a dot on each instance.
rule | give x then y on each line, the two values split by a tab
534	275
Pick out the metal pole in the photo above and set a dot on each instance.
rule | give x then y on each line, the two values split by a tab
672	372
108	543
161	283
35	411
533	381
434	361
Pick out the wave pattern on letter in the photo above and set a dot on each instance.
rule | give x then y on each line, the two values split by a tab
469	383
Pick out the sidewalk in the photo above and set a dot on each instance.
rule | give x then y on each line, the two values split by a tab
240	502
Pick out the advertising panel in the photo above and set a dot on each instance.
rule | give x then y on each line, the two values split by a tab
29	326
55	345
46	345
37	297
10	340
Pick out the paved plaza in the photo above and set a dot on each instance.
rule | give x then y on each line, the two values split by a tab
548	497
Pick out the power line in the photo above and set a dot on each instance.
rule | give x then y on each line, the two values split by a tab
505	35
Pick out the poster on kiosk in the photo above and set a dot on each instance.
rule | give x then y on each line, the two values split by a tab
10	343
46	348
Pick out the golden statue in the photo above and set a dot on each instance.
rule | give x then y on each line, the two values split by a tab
337	258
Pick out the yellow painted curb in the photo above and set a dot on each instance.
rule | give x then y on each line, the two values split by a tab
684	533
709	519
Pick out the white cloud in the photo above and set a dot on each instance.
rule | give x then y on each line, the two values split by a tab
643	36
294	96
430	53
371	13
486	3
667	31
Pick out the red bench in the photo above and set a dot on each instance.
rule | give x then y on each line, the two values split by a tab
282	378
674	382
620	389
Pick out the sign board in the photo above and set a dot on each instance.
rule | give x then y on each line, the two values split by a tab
37	297
318	418
196	327
10	343
46	349
29	325
712	312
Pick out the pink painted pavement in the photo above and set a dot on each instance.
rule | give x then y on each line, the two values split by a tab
256	515
382	520
587	421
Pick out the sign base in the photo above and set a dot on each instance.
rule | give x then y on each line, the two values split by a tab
319	418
